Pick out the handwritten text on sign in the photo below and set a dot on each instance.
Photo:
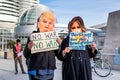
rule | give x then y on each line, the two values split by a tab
79	40
44	41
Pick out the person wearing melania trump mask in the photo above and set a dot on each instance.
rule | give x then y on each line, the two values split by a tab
76	63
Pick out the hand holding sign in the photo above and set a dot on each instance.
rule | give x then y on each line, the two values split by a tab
30	44
58	40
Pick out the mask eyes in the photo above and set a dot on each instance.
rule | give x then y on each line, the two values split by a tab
75	27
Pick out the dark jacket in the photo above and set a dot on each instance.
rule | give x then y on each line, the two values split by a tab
40	60
76	63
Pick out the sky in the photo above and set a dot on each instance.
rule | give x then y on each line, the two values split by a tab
93	12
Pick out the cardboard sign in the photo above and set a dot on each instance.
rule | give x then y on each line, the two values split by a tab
78	40
44	41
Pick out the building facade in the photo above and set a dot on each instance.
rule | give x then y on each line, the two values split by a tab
25	4
9	13
99	36
10	10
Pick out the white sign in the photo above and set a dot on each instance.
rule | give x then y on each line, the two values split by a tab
44	41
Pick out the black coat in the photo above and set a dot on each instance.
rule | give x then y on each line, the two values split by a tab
40	60
76	64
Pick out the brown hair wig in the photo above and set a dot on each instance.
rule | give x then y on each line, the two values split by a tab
79	20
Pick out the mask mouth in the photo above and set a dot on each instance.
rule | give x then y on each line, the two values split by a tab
45	30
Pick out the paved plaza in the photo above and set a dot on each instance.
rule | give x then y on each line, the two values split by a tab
7	72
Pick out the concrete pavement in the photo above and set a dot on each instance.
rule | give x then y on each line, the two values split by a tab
7	72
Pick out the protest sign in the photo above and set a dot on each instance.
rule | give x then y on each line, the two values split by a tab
44	41
78	40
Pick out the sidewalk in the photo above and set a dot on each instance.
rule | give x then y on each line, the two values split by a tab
7	72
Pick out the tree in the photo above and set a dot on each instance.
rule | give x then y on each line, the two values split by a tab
11	43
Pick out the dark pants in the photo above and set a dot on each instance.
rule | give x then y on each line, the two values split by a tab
20	62
31	77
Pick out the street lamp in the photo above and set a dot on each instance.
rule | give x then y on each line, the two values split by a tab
2	40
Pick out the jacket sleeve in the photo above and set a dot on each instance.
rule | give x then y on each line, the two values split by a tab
27	52
61	48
